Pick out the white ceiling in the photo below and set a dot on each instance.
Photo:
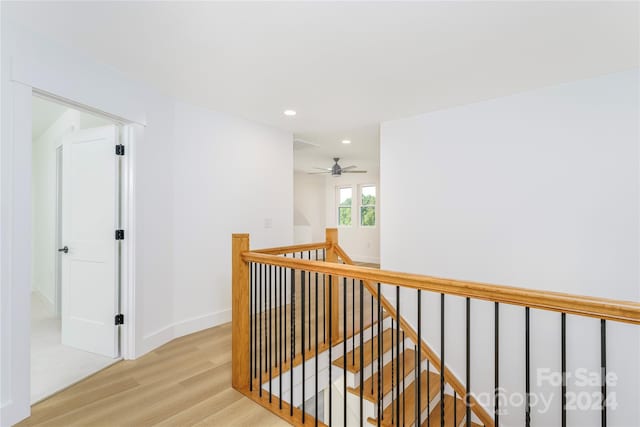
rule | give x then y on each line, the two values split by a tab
344	66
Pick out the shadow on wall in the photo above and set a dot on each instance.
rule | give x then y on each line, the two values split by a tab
302	232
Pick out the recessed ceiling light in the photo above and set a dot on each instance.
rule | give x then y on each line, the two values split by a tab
346	141
289	113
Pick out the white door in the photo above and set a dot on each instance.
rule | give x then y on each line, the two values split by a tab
89	220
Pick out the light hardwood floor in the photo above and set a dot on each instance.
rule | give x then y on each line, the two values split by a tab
185	382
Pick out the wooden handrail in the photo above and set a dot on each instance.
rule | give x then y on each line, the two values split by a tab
601	308
594	307
294	248
433	357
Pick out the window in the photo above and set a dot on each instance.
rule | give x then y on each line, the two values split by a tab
368	206
345	200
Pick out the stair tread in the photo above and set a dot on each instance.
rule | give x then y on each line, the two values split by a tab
408	406
353	357
370	386
436	414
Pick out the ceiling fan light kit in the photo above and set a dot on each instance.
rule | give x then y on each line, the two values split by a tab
336	170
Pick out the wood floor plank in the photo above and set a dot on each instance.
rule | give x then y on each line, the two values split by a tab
197	413
183	383
370	386
353	357
453	414
408	402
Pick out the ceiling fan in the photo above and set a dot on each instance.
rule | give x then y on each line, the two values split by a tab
337	170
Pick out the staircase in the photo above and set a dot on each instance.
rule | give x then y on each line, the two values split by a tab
343	348
396	383
317	342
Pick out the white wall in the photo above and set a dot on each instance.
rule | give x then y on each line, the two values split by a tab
43	198
309	207
174	292
315	209
230	176
539	190
361	243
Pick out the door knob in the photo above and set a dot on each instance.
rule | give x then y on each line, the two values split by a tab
65	250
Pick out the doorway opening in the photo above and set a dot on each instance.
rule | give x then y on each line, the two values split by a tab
75	277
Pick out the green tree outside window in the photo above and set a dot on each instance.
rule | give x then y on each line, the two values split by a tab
368	206
344	207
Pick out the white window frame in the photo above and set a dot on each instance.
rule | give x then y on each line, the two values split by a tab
360	206
337	205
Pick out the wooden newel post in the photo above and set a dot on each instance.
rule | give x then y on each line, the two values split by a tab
332	256
240	313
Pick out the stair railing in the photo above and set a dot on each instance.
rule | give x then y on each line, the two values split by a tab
320	341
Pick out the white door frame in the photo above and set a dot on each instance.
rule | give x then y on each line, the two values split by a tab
31	61
15	243
57	300
127	292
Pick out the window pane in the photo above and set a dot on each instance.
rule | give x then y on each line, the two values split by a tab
344	216
368	216
345	196
368	195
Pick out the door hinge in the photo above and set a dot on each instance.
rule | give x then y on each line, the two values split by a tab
119	150
119	234
119	319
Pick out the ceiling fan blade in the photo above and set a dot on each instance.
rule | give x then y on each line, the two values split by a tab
318	173
349	167
344	171
323	169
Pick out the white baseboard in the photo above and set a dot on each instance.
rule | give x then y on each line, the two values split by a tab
198	323
181	328
38	293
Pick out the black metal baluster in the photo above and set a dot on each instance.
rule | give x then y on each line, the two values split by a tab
285	313
603	371
293	336
251	333
330	347
344	342
316	349
416	380
361	374
260	285
442	362
324	302
455	408
527	372
393	374
398	354
275	314
269	305
309	294
419	364
428	391
256	284
372	326
404	374
468	370
264	315
304	377
280	284
380	379
564	369
353	321
496	359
